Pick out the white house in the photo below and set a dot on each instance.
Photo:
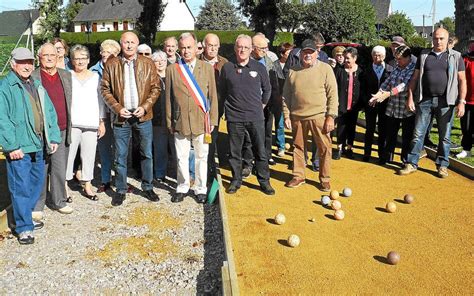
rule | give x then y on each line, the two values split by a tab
121	15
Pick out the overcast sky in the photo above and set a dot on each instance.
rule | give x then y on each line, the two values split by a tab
414	9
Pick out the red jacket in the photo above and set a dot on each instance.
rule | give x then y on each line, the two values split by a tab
469	61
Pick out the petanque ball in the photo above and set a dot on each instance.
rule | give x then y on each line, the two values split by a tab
347	192
391	207
287	146
293	240
280	219
334	194
408	198
336	205
339	214
393	258
325	200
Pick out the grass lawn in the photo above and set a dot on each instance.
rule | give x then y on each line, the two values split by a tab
456	136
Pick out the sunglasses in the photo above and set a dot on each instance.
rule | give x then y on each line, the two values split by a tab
145	53
200	47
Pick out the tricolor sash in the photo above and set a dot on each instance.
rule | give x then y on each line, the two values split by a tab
197	94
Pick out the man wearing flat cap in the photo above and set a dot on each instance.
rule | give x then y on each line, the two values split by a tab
28	133
310	103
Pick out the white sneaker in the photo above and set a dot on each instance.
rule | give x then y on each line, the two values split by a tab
281	152
37	216
66	210
463	154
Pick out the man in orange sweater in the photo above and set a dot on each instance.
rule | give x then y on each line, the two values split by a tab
310	103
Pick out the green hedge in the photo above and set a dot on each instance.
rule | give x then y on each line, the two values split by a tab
226	37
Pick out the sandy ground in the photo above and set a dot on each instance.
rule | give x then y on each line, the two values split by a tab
433	235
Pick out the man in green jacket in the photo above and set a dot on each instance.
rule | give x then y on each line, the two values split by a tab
28	132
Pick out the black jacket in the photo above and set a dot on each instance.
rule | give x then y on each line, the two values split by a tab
342	78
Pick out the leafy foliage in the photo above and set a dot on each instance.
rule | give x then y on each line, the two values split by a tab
52	23
69	13
447	23
291	16
341	20
397	24
218	15
150	18
263	15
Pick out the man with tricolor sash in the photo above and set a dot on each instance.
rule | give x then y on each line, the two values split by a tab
191	115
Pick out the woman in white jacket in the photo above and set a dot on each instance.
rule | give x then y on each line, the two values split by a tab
87	115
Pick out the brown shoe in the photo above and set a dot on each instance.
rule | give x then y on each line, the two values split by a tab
325	186
295	182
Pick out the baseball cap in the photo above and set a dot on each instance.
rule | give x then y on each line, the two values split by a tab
308	44
22	53
398	40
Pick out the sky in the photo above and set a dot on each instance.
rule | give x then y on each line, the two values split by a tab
414	9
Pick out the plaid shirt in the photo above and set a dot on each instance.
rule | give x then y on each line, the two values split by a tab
398	79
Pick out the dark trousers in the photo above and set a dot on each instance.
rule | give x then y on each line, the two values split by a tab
375	117
346	125
211	156
268	131
393	125
467	127
247	154
256	132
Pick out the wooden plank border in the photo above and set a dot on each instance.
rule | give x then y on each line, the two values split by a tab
230	285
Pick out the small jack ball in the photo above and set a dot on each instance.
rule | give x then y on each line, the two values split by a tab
393	258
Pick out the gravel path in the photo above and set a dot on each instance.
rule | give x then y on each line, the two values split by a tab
140	247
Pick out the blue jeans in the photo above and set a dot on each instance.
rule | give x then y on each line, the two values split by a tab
280	132
122	134
105	152
192	161
444	115
25	182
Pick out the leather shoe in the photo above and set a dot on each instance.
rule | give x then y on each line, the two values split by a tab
178	197
325	186
118	199
295	182
232	189
104	187
271	161
151	195
201	198
267	189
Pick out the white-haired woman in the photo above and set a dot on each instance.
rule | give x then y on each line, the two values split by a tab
372	78
108	48
87	115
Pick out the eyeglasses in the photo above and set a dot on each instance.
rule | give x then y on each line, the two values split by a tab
80	59
145	53
200	47
244	48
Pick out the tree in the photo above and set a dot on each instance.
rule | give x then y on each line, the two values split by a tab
341	20
291	16
218	15
447	23
263	15
397	24
51	19
150	18
69	13
464	22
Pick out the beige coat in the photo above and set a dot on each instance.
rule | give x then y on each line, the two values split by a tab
182	113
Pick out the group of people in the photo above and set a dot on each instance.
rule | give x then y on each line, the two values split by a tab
166	107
